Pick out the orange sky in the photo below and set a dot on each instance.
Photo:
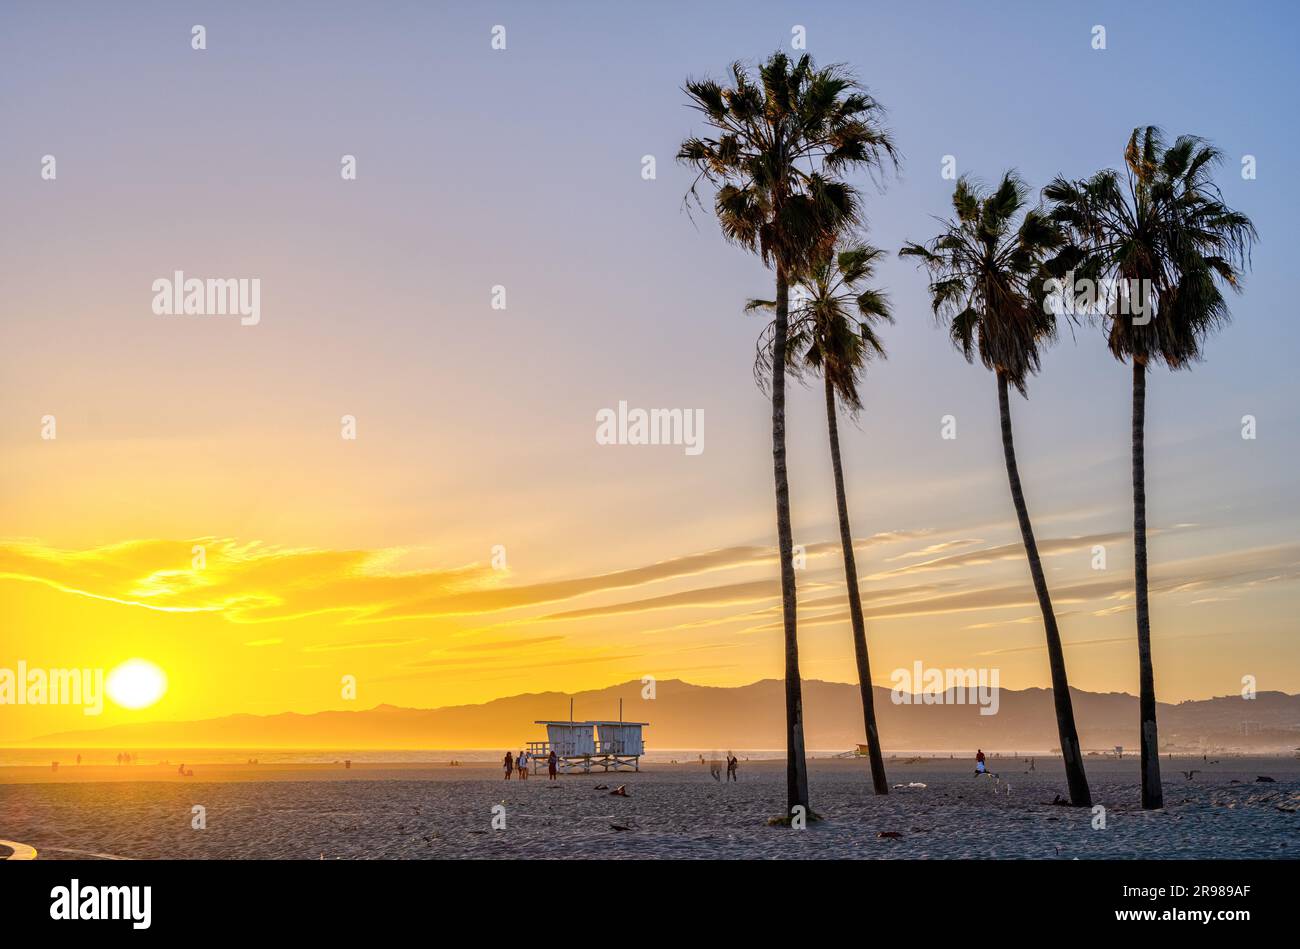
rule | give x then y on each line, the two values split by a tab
265	629
476	426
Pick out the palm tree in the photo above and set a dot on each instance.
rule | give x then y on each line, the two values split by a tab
1162	237
832	334
778	140
987	282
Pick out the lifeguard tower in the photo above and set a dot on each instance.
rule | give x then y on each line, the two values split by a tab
567	739
580	746
619	745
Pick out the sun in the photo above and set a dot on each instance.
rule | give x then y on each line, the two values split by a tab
136	683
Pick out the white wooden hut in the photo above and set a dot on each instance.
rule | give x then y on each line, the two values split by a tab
620	744
568	739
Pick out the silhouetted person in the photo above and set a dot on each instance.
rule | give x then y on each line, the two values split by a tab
510	765
551	764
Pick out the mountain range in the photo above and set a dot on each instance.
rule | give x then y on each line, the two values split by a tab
686	716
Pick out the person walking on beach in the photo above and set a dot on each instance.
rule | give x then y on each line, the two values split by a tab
979	761
510	765
551	764
732	764
521	765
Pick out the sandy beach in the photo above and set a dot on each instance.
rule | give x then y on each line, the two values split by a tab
671	811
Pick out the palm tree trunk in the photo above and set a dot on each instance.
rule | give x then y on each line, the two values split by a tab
796	766
1080	796
878	778
1152	792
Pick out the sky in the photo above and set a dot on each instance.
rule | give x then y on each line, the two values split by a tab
474	540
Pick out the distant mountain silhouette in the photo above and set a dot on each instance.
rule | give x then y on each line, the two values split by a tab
685	716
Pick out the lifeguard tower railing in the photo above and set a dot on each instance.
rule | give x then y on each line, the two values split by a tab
563	749
568	749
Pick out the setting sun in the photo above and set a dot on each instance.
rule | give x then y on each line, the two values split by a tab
136	683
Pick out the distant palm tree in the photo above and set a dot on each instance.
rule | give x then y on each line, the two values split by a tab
987	282
832	334
781	137
1162	237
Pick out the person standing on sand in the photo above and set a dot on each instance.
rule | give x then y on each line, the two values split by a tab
521	763
732	764
510	765
551	764
979	761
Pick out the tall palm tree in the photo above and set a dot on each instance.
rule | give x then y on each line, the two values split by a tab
1162	237
987	275
832	333
778	140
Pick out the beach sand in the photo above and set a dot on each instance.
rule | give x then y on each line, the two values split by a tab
672	811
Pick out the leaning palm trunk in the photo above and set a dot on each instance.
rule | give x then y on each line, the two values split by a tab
796	766
1152	793
1074	774
855	600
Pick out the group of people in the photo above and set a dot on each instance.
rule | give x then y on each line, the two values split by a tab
519	764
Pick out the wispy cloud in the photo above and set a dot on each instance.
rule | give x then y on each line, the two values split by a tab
256	583
1280	563
1016	551
935	549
